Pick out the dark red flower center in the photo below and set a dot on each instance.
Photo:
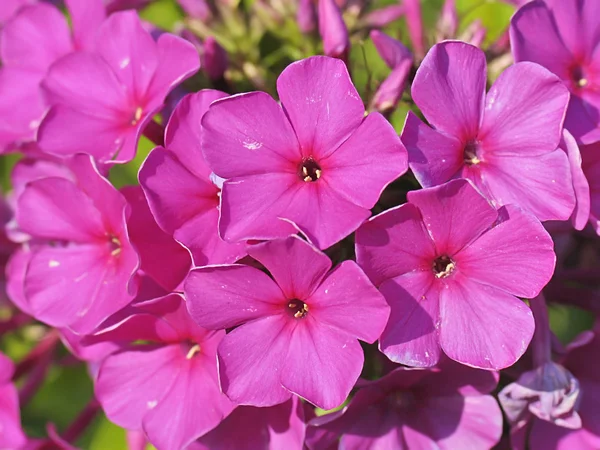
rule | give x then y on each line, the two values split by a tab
443	266
471	153
297	308
309	170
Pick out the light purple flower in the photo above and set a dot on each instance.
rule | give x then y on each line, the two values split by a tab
131	75
169	386
443	408
11	434
296	332
82	264
564	37
316	161
400	60
249	428
505	143
451	267
182	192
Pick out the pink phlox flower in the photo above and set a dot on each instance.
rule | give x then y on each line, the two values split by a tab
451	267
167	386
11	434
297	332
315	161
505	142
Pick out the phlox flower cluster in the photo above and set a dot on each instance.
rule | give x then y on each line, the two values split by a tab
249	251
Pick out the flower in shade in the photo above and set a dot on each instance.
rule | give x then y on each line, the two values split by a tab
167	386
318	162
564	37
506	143
250	428
451	267
590	155
400	60
580	362
296	332
82	263
581	186
131	73
11	434
444	408
182	192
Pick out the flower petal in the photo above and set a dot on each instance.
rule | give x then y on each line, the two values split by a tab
524	112
411	334
220	297
449	88
454	214
322	103
482	326
251	358
322	364
297	266
344	298
434	157
371	158
249	134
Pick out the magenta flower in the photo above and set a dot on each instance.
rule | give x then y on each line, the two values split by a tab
278	427
451	267
297	332
333	30
505	143
169	386
316	162
181	189
562	35
172	266
414	22
9	7
131	75
581	187
590	155
214	59
11	434
306	16
443	408
82	264
400	60
582	362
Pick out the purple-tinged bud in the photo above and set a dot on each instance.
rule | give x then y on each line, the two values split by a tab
198	9
400	60
384	16
306	16
448	21
415	25
333	30
214	59
549	392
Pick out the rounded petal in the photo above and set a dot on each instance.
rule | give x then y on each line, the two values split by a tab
220	297
516	255
541	185
524	112
371	158
433	157
251	358
411	334
393	243
454	214
321	102
449	88
297	266
344	298
322	364
482	326
249	134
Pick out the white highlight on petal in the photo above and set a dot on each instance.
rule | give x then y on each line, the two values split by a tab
53	263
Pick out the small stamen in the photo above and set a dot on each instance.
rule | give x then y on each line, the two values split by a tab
582	82
297	308
137	115
115	245
192	352
470	154
309	170
443	266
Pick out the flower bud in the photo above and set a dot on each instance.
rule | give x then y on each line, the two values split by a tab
306	16
333	30
214	60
